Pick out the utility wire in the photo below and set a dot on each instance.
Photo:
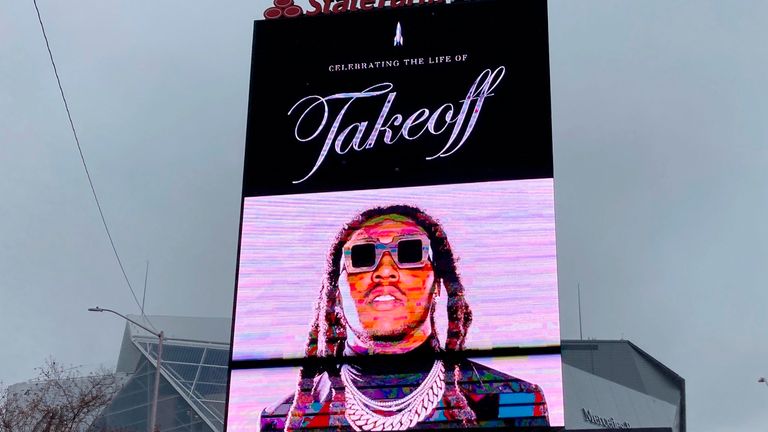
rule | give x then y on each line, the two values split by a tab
82	158
144	296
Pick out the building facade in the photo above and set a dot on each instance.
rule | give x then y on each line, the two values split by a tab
615	385
193	385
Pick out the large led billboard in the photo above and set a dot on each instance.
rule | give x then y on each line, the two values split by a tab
397	265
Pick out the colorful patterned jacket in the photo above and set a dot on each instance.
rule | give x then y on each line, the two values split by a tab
499	401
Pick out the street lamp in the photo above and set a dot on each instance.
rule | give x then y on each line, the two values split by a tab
763	380
153	415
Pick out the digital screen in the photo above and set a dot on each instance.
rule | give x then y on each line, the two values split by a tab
254	391
397	261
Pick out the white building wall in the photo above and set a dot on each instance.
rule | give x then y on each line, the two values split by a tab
606	402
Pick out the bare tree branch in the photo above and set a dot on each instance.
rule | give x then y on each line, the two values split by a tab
60	399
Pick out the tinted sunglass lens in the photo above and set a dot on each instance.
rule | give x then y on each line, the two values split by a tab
409	251
363	255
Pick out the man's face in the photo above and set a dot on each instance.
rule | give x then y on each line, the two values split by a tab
391	301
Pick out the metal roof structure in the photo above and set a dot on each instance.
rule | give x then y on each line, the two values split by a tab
193	369
615	380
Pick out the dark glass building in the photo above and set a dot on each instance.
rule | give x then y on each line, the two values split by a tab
193	381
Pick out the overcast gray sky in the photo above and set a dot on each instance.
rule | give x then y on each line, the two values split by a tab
660	112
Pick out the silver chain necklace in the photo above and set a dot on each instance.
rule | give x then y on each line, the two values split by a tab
408	410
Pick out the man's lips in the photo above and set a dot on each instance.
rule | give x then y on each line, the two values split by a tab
385	297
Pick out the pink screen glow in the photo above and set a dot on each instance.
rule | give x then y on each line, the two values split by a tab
253	390
502	232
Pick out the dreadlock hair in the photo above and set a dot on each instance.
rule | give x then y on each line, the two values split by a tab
328	333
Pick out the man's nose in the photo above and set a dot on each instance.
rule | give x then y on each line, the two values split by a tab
386	271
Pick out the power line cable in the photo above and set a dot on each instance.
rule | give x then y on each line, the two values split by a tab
82	158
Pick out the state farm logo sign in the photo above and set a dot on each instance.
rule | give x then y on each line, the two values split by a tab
283	9
288	9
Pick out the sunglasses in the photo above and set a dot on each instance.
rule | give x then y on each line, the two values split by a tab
408	251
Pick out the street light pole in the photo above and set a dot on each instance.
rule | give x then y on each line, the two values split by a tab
153	416
156	390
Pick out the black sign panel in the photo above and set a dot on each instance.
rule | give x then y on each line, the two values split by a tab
402	97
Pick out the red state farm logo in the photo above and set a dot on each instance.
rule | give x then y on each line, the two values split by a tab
286	8
283	9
